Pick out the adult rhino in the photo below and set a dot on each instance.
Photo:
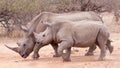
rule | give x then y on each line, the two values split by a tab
26	45
78	34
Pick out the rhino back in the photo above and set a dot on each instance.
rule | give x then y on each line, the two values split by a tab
78	16
37	26
48	16
85	34
40	27
82	33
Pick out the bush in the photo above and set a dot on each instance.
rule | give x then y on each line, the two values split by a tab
22	11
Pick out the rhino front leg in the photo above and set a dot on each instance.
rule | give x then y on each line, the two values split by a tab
36	50
91	50
65	45
66	56
55	47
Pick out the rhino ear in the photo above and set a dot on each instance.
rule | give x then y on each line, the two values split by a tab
47	23
24	28
35	34
18	44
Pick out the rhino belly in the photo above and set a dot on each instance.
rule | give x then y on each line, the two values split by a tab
84	44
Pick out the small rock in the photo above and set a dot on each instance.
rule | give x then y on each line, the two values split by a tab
15	61
75	50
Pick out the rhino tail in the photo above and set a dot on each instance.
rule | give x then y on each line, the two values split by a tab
110	48
100	18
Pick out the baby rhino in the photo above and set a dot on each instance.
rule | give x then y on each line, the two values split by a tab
69	34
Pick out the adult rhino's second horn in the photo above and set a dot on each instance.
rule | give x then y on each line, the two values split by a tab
14	49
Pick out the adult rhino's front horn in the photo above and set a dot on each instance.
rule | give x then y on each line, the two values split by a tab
13	48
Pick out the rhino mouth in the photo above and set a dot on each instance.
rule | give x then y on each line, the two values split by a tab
24	55
39	43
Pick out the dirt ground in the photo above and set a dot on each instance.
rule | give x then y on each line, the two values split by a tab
10	59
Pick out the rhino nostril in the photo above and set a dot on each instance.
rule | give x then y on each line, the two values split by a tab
38	42
41	43
22	55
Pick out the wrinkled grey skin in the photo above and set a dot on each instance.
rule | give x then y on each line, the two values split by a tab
79	34
28	42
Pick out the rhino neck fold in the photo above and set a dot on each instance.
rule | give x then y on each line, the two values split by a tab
54	34
34	23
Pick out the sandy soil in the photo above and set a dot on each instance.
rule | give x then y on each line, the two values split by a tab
10	59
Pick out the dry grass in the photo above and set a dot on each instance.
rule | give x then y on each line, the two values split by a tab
13	34
25	10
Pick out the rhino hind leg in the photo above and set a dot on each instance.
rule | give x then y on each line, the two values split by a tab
103	52
55	47
91	50
102	40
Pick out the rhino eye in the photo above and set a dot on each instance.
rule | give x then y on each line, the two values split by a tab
37	42
24	45
43	35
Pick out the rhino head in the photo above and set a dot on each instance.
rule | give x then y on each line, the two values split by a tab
26	45
43	38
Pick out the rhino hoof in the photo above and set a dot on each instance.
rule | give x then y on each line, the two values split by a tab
111	49
66	60
56	56
35	56
100	59
89	54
